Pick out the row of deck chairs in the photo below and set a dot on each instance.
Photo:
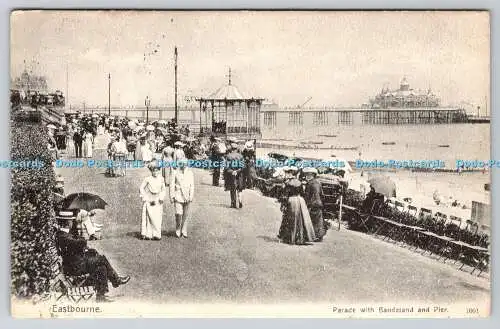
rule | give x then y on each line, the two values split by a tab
448	237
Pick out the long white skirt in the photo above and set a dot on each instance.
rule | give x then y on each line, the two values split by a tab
87	149
151	220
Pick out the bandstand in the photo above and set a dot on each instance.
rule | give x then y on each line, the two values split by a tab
229	112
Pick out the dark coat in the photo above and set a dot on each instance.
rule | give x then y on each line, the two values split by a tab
72	252
234	162
314	194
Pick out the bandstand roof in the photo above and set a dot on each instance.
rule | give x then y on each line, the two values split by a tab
228	92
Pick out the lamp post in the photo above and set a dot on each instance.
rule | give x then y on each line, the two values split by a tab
147	102
109	94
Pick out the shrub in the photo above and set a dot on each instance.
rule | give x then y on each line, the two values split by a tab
32	212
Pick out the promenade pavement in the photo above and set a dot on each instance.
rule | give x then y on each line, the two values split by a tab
233	255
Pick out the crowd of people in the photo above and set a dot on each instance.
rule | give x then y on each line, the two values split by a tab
301	203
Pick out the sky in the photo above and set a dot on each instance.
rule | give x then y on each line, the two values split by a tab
334	58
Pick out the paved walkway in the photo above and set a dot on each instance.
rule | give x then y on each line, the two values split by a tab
233	255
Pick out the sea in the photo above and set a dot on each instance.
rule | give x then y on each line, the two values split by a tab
445	142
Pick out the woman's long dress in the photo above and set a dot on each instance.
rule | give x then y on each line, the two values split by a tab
138	151
147	154
87	146
167	166
152	190
297	227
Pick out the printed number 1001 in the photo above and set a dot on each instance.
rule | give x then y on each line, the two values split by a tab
472	310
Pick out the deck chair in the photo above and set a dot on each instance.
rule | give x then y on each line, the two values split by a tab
398	231
476	255
331	194
412	210
453	246
74	287
436	238
484	255
384	226
356	217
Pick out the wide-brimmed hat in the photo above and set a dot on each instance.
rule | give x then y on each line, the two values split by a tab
179	143
290	169
231	139
310	170
234	146
249	145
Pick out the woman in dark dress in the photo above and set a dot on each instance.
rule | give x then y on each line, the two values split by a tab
296	227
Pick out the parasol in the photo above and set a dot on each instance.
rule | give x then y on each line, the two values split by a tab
190	139
51	126
132	124
383	185
83	200
150	128
162	122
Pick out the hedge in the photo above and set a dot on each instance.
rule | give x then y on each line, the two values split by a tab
32	212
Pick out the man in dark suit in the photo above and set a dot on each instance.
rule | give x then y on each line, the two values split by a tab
78	140
233	178
313	197
79	260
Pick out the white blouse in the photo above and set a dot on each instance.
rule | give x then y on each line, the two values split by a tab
153	189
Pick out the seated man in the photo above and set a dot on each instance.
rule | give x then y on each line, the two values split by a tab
78	259
370	199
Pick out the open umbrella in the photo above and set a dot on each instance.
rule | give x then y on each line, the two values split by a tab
162	122
383	185
83	200
150	128
51	126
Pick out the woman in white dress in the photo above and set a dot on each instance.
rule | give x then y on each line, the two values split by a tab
87	145
168	157
152	193
181	195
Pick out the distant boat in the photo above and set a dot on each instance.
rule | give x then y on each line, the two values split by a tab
311	142
388	143
343	148
326	135
444	145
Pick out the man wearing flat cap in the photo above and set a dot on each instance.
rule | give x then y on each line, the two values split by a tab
313	196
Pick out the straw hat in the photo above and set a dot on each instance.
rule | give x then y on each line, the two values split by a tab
62	217
179	143
249	145
234	146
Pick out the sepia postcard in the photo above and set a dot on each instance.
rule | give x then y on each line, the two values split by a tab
250	164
